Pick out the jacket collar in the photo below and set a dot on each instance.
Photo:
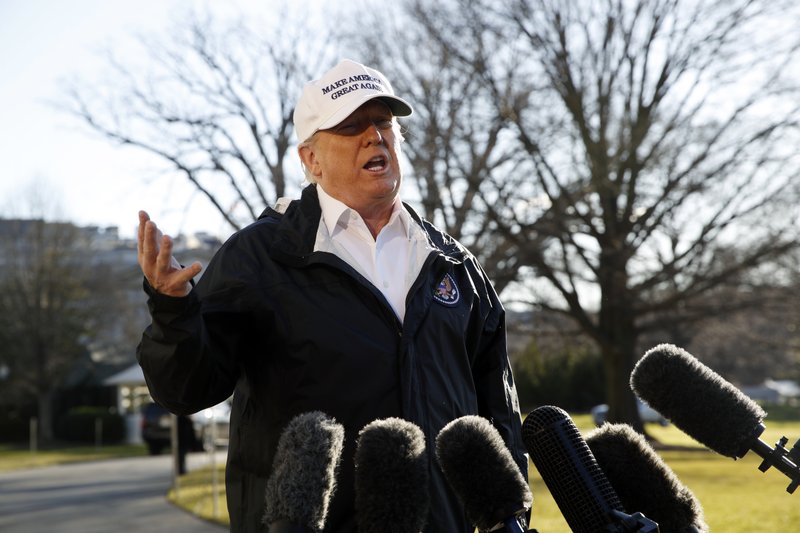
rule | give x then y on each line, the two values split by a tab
297	230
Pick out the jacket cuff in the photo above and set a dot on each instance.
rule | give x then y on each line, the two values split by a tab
158	302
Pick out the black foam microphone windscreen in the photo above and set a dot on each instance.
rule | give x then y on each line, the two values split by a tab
391	477
580	489
482	472
709	409
643	481
697	400
303	476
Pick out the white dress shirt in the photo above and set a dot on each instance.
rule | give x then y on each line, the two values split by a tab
391	262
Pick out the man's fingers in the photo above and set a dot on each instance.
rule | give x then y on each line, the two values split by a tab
140	236
161	269
178	282
164	257
192	270
185	274
149	246
143	219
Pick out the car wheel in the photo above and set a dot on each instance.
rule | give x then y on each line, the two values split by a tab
154	448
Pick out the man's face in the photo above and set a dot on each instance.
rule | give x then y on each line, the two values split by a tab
357	161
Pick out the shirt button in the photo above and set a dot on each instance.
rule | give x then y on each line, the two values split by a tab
385	284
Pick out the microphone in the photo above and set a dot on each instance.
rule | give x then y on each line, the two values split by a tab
483	475
578	485
391	477
302	482
643	481
709	409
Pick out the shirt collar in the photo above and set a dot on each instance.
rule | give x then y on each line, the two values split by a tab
334	212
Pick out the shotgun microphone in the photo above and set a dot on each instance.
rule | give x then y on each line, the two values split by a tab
302	481
483	475
709	409
578	485
391	477
643	481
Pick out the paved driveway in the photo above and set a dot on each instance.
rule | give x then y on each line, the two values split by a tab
97	497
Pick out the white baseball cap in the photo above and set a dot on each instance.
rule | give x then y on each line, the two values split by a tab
329	100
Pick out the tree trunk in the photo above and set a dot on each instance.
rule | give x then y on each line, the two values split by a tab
618	345
621	400
45	402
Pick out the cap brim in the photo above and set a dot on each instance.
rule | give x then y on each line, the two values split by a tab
398	106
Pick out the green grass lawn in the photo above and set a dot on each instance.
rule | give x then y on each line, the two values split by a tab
18	457
735	495
196	494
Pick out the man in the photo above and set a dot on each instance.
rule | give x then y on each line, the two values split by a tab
344	301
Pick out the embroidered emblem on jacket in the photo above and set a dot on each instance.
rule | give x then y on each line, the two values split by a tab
447	292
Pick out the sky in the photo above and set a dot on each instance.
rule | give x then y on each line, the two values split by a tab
86	179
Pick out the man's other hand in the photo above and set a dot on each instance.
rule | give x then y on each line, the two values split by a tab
162	270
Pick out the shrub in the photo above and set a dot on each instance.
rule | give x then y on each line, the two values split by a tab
79	425
571	379
15	423
782	412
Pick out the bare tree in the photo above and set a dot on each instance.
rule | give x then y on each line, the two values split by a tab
213	102
616	161
653	151
456	143
46	307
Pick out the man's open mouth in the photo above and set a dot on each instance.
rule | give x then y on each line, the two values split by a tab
376	164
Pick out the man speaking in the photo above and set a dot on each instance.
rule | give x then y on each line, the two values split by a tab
344	301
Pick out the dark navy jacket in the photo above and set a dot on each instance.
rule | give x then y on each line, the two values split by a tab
289	330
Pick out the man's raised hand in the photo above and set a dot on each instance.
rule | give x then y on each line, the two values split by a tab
162	270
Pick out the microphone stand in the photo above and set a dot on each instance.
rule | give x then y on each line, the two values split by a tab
632	523
784	460
516	524
626	523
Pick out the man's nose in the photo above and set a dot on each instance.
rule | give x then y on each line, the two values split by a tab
373	134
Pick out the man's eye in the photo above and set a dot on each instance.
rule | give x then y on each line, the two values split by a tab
384	124
346	129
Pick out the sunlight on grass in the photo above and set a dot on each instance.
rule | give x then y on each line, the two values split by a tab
736	497
195	494
16	458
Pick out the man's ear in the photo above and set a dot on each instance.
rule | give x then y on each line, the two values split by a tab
309	159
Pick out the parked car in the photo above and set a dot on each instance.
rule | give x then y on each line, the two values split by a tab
212	425
156	428
157	421
156	424
647	414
